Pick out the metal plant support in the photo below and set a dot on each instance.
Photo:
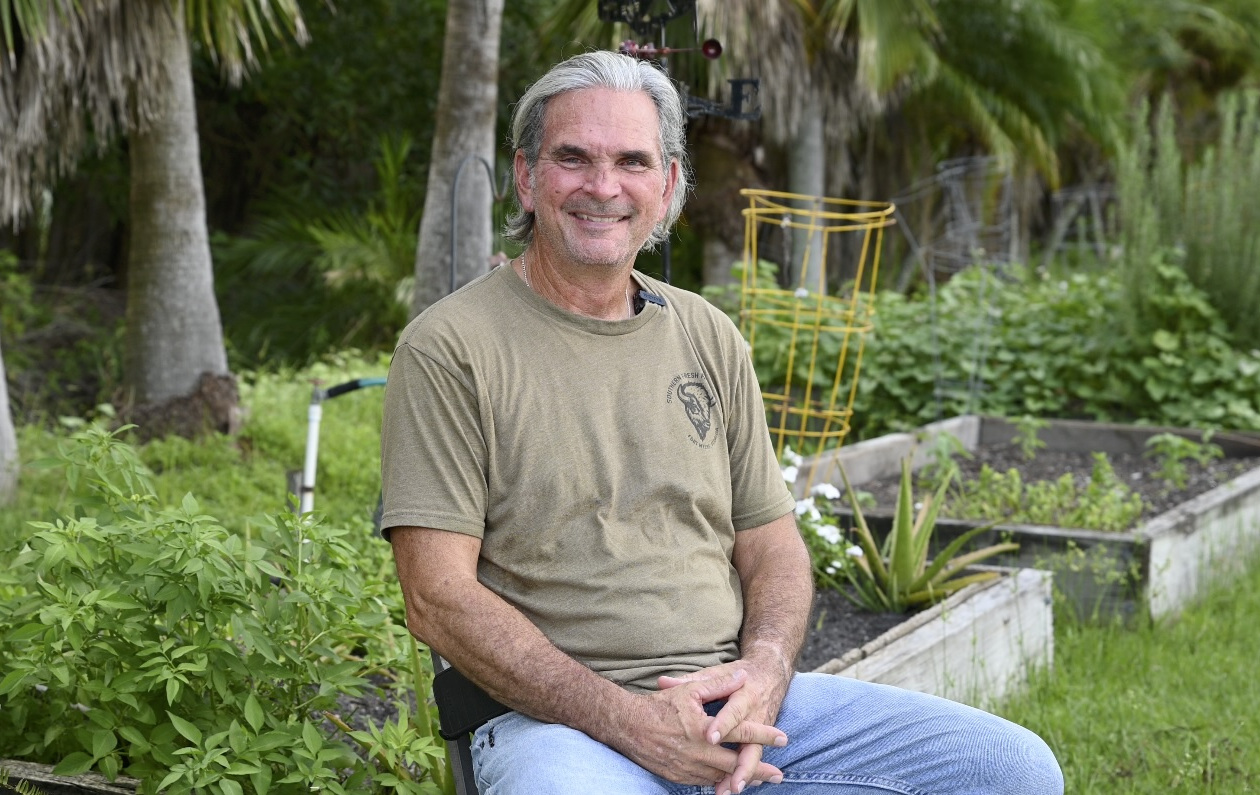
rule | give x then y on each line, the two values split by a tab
965	216
810	343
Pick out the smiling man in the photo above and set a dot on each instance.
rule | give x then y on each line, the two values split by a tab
588	518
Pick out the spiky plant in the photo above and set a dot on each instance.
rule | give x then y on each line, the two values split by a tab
895	576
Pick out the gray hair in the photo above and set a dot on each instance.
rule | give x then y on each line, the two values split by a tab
602	69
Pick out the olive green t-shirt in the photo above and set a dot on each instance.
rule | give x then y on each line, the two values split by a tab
605	465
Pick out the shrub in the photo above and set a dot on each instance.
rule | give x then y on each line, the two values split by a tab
149	640
1206	211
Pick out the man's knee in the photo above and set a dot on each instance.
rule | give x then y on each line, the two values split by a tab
1011	759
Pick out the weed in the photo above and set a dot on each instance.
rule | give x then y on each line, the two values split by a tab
1172	452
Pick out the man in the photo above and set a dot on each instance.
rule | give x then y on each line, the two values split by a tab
588	518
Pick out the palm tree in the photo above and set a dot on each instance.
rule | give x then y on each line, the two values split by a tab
81	71
832	68
464	131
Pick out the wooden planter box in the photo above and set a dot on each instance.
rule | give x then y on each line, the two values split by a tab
42	777
976	647
1156	567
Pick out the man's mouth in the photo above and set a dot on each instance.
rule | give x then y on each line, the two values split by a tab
599	219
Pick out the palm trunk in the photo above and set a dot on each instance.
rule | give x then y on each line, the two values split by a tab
807	168
8	443
174	333
464	131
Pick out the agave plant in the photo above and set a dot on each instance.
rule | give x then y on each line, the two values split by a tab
896	575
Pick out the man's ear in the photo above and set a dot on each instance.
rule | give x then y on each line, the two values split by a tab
524	191
671	184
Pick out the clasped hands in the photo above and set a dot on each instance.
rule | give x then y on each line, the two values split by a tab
681	742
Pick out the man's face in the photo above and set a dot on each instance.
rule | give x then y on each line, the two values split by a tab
599	186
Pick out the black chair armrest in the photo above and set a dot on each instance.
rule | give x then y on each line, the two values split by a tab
462	705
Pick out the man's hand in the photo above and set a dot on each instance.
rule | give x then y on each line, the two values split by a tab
671	734
765	675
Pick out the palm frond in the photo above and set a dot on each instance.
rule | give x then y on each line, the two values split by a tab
80	72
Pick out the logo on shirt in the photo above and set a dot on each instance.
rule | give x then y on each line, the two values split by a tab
697	401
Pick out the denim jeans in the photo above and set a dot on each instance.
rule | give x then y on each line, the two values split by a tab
845	737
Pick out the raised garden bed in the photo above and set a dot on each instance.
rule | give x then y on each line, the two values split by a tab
976	647
49	783
1157	566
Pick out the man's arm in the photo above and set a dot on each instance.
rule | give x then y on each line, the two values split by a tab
777	583
494	645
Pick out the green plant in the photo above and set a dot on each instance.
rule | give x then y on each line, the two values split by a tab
1172	451
147	639
1027	434
1207	211
1104	503
896	575
347	274
941	465
21	787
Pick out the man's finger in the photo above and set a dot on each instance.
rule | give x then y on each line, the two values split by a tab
753	732
719	687
747	759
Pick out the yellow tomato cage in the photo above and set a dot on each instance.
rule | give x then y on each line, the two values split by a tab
800	333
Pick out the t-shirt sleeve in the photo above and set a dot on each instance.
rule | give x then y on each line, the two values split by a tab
433	451
758	492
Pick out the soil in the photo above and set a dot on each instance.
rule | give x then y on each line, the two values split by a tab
1139	472
836	625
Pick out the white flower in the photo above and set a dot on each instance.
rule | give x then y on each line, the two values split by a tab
801	292
792	457
806	508
918	506
789	474
832	568
829	533
854	551
826	490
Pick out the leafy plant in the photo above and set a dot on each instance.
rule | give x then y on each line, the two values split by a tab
347	273
1104	503
896	575
147	639
941	465
1172	451
1027	434
21	787
1206	210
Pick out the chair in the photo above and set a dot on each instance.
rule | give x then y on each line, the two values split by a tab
462	707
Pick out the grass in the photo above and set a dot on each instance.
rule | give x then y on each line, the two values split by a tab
1165	708
242	477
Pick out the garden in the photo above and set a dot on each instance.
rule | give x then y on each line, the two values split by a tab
1014	384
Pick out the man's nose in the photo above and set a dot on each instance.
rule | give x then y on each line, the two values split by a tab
603	181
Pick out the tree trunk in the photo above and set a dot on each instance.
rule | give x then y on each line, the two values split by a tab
174	333
8	443
464	132
724	164
807	169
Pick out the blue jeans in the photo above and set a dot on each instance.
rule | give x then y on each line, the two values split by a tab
845	738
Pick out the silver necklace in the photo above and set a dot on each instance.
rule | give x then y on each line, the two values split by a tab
525	275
